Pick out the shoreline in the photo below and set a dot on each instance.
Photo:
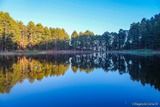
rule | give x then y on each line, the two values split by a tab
43	52
140	52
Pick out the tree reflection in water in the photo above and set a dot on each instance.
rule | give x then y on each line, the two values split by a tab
14	69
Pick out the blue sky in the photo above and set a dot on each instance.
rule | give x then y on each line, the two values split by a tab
96	15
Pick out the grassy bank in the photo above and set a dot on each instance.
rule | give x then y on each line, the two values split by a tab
140	52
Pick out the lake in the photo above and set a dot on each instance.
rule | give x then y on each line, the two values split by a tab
80	80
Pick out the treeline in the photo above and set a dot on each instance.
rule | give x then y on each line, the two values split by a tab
14	35
141	35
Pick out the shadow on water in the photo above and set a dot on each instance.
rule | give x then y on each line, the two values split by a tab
14	69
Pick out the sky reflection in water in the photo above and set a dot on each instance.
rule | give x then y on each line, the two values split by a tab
85	80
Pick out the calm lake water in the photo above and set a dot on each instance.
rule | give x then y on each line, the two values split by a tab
84	80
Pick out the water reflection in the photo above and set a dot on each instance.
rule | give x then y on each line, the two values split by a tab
14	69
